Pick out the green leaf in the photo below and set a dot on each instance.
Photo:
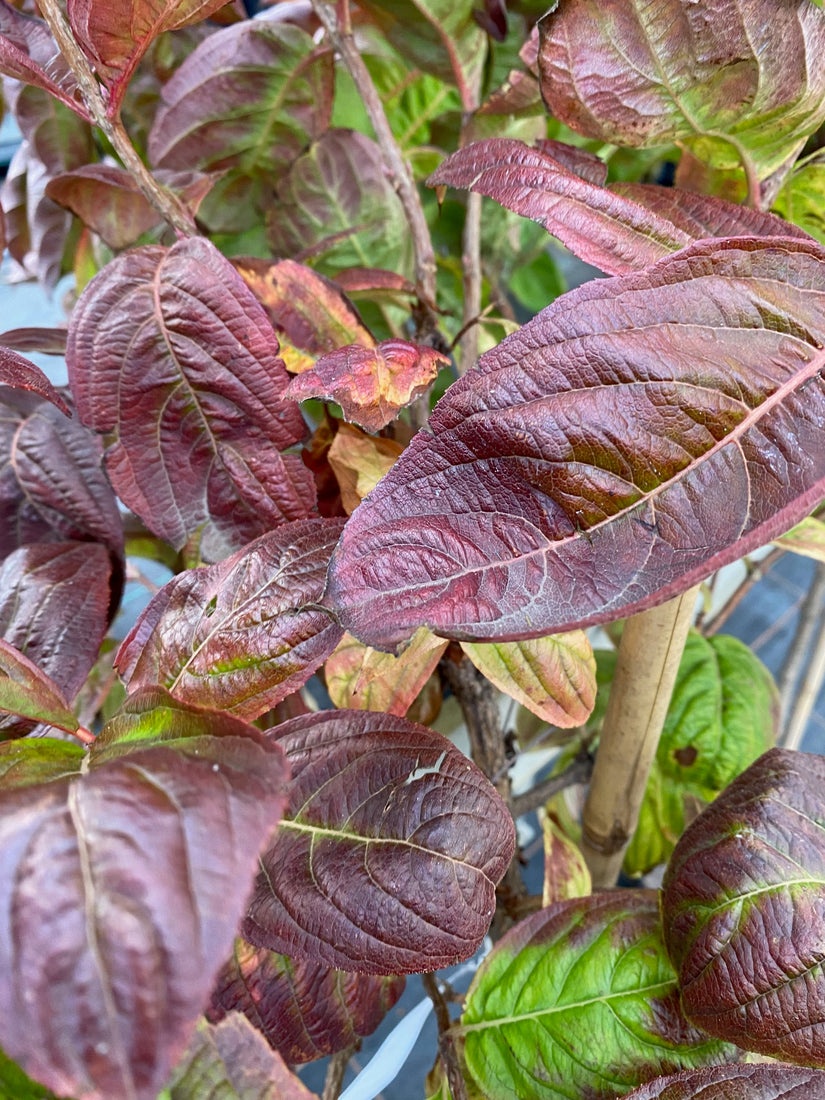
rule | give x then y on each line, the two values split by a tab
38	760
721	718
802	199
807	538
580	1000
15	1085
27	691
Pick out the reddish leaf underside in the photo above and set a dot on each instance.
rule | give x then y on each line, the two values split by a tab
170	351
389	855
637	434
21	374
237	636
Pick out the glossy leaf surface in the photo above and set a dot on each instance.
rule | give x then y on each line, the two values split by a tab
236	636
554	677
231	1061
580	999
29	53
388	857
722	716
169	350
634	436
304	1010
29	693
743	910
371	384
101	989
361	678
759	1082
742	80
617	230
22	374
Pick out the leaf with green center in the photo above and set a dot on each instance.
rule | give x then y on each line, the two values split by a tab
25	690
362	678
761	1082
305	1011
388	858
96	857
722	716
636	435
802	199
580	999
742	82
238	636
554	677
743	909
170	353
370	384
807	538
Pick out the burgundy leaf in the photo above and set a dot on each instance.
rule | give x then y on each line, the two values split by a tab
636	435
49	341
237	636
169	350
620	229
52	486
374	280
22	374
304	1010
389	856
371	384
29	53
26	691
743	909
115	35
13	194
758	1082
121	886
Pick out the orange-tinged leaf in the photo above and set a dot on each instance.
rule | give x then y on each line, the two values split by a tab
371	384
565	872
361	678
310	314
359	462
555	677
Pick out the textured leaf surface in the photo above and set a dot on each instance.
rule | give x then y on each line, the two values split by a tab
22	374
763	1082
117	34
232	1062
29	693
169	350
634	436
371	384
388	857
309	313
52	341
304	1010
29	53
361	678
555	677
744	910
742	79
236	636
101	988
580	998
722	716
619	229
359	462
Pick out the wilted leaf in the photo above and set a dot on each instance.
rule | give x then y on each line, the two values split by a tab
309	313
632	438
565	872
337	200
371	384
169	350
21	374
759	1082
802	199
232	1062
555	677
807	538
359	462
389	856
580	999
621	229
304	1010
744	910
101	988
237	636
115	35
25	690
744	81
722	716
29	53
361	678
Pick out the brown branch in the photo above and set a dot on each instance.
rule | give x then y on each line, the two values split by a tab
579	771
336	1069
168	205
343	42
446	1045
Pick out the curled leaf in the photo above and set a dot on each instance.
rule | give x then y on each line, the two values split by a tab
361	678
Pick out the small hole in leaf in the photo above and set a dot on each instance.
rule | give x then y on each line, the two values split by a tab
686	756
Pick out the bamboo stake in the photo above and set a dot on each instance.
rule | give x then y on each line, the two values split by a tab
648	660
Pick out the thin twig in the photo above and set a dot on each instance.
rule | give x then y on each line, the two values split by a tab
168	205
336	1069
807	694
471	280
754	572
446	1046
810	622
343	42
579	771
